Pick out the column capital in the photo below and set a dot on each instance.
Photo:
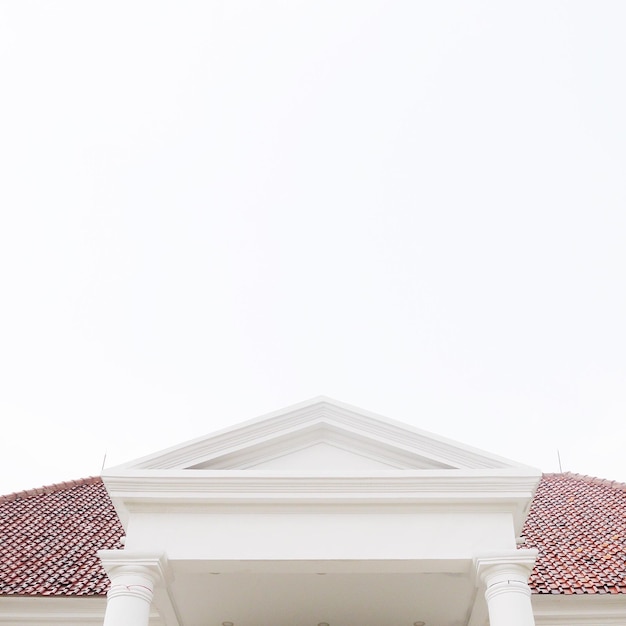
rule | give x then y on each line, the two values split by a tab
137	578
505	565
504	577
144	564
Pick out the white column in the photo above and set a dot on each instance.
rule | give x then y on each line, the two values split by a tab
505	579
130	596
134	577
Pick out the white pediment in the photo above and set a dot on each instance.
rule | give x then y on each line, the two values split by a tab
322	456
321	435
316	455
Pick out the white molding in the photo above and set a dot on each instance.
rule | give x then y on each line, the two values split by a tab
579	610
426	470
449	566
397	457
508	490
44	611
208	483
374	431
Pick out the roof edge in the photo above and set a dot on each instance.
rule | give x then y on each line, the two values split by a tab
592	480
46	489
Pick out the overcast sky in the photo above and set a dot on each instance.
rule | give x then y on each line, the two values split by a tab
211	210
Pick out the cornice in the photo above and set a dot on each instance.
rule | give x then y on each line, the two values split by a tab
417	484
316	414
580	610
507	490
68	611
396	456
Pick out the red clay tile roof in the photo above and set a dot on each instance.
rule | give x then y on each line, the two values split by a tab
49	538
578	524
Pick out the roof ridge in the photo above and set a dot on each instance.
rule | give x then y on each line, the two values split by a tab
594	480
38	491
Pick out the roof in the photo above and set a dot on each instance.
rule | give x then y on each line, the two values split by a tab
578	524
49	537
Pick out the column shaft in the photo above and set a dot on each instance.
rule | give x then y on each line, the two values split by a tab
509	604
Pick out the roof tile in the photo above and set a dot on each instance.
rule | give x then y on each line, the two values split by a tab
49	537
578	525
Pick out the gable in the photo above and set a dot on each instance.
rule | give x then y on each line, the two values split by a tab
323	444
320	457
321	435
314	455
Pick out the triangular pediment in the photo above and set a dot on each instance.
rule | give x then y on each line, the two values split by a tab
322	456
321	435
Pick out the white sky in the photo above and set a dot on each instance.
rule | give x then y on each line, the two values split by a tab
211	210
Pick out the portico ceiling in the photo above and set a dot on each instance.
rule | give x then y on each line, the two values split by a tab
308	599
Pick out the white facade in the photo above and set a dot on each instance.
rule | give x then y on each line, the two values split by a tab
321	514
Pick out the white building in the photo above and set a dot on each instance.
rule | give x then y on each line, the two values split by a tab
319	514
